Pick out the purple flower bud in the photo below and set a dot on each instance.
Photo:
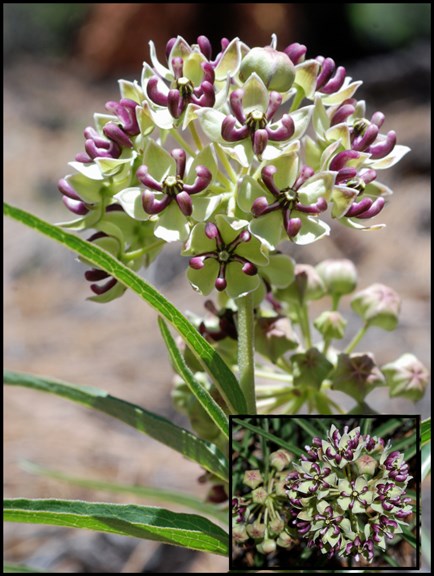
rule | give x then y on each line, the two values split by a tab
236	103
67	190
338	459
205	46
249	269
208	72
292	226
267	175
102	289
230	132
327	69
175	103
282	132
383	148
83	157
341	114
342	158
317	441
296	52
169	46
375	209
197	262
179	156
212	231
207	96
202	181
274	102
378	119
260	206
260	141
184	202
359	207
76	206
95	275
146	179
153	206
336	82
115	133
362	142
220	284
155	93
402	514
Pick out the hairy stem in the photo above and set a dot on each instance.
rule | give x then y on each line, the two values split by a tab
246	350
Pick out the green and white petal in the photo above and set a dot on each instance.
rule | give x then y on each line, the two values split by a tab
192	67
131	90
89	190
230	61
301	118
360	484
305	76
211	121
159	68
115	292
180	49
311	230
203	280
347	90
344	486
342	198
304	486
204	207
340	133
254	251
255	95
172	225
287	166
318	186
357	225
131	201
90	170
110	167
241	152
229	227
375	189
321	506
198	242
280	273
358	508
269	228
238	283
101	120
159	162
204	158
390	160
320	120
248	191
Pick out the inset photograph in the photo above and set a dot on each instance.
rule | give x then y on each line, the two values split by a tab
315	493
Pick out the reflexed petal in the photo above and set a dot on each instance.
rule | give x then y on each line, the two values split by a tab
242	152
229	228
198	242
131	201
360	484
301	118
320	120
280	273
305	76
211	123
204	207
311	230
319	185
131	90
342	198
238	283
248	190
159	162
89	190
172	225
304	486
357	225
230	61
115	292
391	159
204	158
287	170
344	502
91	171
255	95
203	280
340	133
180	49
344	486
254	251
345	92
358	508
114	166
269	228
192	67
159	68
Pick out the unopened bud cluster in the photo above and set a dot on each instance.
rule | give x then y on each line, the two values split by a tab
348	494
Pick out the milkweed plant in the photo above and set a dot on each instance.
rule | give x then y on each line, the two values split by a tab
230	155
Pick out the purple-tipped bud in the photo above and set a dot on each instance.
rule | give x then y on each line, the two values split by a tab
205	46
316	441
368	175
67	190
153	206
76	206
211	231
284	130
260	141
342	158
260	206
296	52
202	181
207	96
175	103
179	156
220	284
267	175
230	132
345	174
327	68
102	289
156	92
169	46
375	209
197	262
208	72
378	119
336	82
115	133
184	202
249	269
146	179
293	227
341	114
383	148
362	142
403	514
110	150
83	157
236	103
359	207
177	67
95	275
274	102
338	459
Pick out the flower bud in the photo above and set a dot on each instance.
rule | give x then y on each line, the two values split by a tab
284	540
266	546
378	305
274	68
366	465
406	377
330	324
259	495
252	478
276	526
256	530
280	459
339	276
239	533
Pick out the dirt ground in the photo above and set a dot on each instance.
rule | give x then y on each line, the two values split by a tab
50	328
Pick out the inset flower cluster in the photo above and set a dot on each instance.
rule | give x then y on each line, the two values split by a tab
348	494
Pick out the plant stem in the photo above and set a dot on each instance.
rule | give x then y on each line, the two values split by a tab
226	164
356	338
303	317
195	136
273	376
141	251
177	136
246	350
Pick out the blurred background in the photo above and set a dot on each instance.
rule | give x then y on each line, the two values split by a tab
61	64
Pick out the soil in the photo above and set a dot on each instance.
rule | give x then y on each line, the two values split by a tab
51	329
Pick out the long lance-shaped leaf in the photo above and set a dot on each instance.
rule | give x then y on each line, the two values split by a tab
287	445
204	453
204	398
159	495
150	523
221	374
19	569
425	431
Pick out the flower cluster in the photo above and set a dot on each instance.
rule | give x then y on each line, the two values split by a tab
348	494
262	514
213	150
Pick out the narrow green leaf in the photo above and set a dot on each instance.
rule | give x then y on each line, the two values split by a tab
212	362
269	436
307	427
386	428
17	569
426	460
425	431
409	536
391	561
204	398
366	426
187	530
154	494
157	427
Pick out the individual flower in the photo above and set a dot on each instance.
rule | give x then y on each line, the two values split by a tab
339	275
406	377
378	305
252	478
224	256
287	202
355	495
274	68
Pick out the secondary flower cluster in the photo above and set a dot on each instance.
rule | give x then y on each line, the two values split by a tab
262	514
348	494
213	151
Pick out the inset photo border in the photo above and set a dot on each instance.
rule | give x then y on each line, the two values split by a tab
325	493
